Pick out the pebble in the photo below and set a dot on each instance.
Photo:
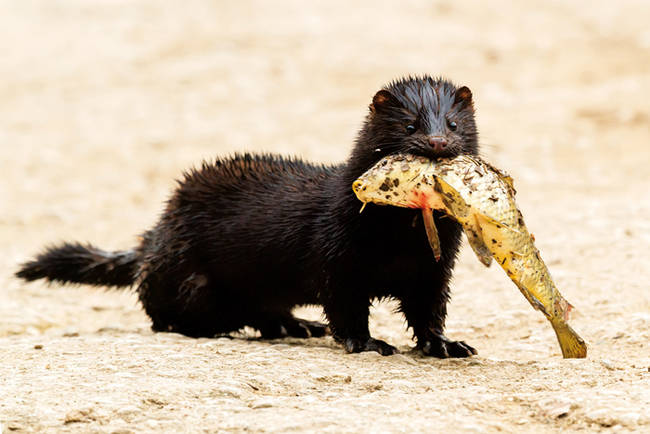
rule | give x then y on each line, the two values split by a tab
261	404
208	345
608	364
80	415
601	417
630	419
472	428
127	411
70	333
556	407
401	358
37	347
234	392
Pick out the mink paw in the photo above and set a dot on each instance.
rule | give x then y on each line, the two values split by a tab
301	328
276	328
357	345
440	346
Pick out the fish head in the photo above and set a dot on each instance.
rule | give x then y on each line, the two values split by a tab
384	184
399	180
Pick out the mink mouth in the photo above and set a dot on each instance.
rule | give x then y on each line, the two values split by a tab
449	152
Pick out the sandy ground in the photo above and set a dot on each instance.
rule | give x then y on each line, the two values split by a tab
104	103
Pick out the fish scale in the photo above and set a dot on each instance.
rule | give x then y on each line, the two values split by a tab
482	199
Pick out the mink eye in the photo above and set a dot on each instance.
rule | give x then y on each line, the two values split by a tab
410	129
452	125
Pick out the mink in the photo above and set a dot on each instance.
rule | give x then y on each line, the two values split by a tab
245	239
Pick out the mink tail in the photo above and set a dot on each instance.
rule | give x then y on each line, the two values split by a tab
78	263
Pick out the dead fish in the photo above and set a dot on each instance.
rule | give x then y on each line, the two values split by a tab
481	198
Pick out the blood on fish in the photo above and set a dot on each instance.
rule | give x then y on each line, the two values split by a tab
422	199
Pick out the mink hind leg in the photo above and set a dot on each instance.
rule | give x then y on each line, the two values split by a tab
189	302
200	306
302	328
275	325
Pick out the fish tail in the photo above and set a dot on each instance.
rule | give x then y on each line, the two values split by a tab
567	311
572	345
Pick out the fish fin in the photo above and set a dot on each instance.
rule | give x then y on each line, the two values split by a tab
454	202
432	232
451	198
567	314
363	207
503	176
476	242
562	307
537	304
484	219
534	301
509	182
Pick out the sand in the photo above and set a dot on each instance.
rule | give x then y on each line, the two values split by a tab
104	103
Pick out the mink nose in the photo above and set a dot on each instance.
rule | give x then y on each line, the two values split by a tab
438	143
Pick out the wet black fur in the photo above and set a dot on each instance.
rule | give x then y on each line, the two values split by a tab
245	239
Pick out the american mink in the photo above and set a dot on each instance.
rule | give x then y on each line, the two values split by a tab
245	239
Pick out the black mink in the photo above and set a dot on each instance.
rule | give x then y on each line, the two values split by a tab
243	240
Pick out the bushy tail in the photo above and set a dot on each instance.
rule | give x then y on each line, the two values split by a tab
77	263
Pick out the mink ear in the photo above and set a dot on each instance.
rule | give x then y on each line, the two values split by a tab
463	97
384	101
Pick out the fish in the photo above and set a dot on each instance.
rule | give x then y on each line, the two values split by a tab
481	198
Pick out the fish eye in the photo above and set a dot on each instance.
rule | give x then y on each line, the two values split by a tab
452	125
410	129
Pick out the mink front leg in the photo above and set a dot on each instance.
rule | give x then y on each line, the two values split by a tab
424	295
424	304
347	312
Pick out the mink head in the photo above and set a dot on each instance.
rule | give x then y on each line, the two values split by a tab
421	116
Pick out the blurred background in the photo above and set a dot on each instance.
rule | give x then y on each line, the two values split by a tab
104	103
